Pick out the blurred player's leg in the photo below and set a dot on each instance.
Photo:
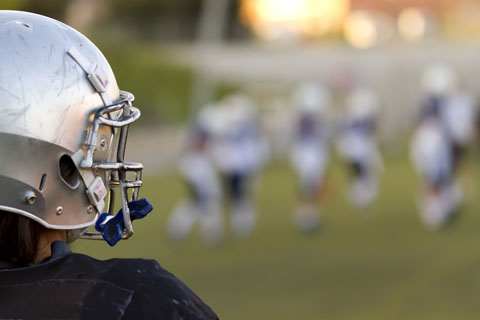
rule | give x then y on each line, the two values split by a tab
181	220
436	209
440	200
211	224
307	217
243	219
307	214
456	194
364	184
243	216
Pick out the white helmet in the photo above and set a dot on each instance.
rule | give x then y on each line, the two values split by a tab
311	97
63	126
206	117
439	79
239	111
362	103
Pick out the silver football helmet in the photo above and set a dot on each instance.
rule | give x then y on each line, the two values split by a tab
63	126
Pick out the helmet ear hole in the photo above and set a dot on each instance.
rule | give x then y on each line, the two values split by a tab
42	182
68	171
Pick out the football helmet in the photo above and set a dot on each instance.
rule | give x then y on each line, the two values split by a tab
439	79
362	103
63	127
311	97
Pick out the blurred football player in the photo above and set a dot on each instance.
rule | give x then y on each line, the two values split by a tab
444	131
358	146
459	115
63	134
458	110
240	152
201	176
432	157
310	152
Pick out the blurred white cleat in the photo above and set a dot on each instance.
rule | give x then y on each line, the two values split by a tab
242	220
307	218
211	226
363	192
181	220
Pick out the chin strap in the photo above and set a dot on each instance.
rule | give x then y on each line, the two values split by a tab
112	227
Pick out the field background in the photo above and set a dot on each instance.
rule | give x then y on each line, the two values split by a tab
380	263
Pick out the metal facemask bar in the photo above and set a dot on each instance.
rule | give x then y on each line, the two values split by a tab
117	116
115	171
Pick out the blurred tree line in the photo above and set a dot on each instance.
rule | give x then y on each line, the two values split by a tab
131	34
165	20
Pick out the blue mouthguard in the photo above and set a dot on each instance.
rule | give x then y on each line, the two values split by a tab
112	229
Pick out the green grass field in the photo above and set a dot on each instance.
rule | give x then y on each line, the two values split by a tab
377	264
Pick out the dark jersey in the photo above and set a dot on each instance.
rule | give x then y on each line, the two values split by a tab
76	286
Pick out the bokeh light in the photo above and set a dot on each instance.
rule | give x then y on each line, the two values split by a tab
270	19
360	30
411	24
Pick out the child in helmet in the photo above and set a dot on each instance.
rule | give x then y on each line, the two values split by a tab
442	135
63	134
203	204
240	151
309	155
357	144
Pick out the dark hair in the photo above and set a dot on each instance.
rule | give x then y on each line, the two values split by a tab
19	237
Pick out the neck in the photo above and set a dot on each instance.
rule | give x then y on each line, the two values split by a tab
48	236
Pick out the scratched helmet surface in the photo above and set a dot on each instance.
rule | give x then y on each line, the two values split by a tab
63	125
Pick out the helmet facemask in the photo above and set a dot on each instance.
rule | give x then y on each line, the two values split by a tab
118	175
